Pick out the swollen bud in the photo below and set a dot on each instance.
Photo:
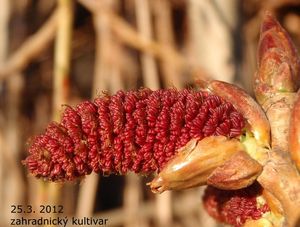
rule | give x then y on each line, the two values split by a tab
278	61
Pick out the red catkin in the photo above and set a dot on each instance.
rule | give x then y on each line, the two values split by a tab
135	131
234	207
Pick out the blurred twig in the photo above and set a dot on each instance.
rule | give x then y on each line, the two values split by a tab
210	39
130	36
163	208
103	48
4	19
87	196
12	180
132	202
31	48
62	54
4	26
149	67
165	36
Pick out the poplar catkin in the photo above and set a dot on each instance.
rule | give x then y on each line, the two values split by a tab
135	131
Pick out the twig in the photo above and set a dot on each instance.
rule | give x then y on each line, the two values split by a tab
251	31
4	22
13	181
61	73
11	149
62	56
150	75
211	42
103	44
130	36
163	208
87	195
165	36
204	218
132	201
31	48
4	26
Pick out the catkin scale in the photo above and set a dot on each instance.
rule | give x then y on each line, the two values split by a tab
135	131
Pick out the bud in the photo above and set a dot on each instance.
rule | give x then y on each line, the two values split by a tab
278	61
215	160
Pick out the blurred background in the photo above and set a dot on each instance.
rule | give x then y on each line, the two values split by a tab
64	51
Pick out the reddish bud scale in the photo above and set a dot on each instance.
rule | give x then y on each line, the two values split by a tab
234	207
130	131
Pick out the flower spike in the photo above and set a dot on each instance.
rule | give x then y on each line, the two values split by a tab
137	131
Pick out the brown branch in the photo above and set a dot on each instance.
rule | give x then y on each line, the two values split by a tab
31	48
